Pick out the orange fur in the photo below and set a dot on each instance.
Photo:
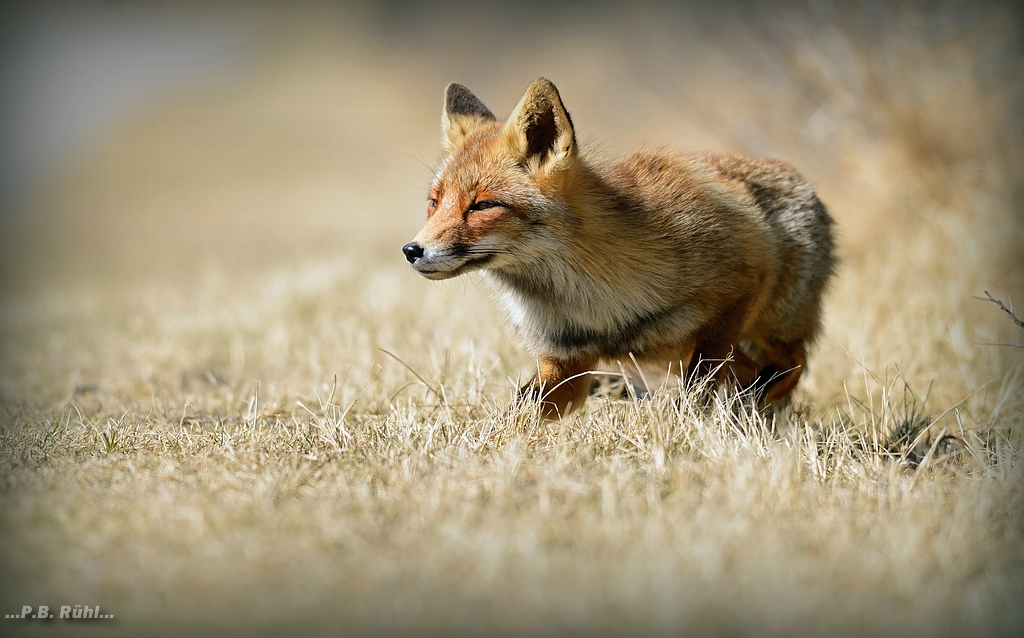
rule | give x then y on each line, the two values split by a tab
680	259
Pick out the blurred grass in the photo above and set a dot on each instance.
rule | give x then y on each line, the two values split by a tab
191	306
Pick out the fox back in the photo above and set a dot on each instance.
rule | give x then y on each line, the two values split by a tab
712	263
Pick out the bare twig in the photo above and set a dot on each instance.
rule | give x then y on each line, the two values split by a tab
1007	310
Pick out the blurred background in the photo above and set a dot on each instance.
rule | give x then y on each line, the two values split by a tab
186	142
174	138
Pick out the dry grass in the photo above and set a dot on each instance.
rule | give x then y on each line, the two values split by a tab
228	405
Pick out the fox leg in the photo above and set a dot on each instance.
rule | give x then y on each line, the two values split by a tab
781	372
715	353
560	385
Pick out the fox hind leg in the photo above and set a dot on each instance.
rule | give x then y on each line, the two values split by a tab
715	354
782	371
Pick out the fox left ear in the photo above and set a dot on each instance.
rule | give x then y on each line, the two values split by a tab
462	113
540	128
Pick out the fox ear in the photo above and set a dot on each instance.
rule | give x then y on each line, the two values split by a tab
540	128
462	113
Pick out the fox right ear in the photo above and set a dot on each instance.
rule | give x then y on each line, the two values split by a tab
540	129
462	113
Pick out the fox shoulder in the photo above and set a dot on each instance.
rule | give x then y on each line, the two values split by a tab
679	188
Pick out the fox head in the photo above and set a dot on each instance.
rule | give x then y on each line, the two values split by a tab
497	200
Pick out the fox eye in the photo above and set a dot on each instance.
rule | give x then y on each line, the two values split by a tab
431	203
483	205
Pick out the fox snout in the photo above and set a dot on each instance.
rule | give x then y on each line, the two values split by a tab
431	262
413	252
445	262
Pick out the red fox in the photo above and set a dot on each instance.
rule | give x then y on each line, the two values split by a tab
710	262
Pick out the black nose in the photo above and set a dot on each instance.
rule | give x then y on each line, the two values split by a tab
413	251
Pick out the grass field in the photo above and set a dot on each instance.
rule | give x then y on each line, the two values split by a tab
229	406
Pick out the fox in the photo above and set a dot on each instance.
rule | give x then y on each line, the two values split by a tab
710	264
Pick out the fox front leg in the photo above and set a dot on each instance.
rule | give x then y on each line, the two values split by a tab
560	385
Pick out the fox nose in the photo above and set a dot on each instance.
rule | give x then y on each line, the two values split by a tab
413	251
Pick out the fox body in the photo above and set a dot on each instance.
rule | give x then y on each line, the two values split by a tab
713	263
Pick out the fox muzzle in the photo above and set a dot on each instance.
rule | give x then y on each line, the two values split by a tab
413	252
